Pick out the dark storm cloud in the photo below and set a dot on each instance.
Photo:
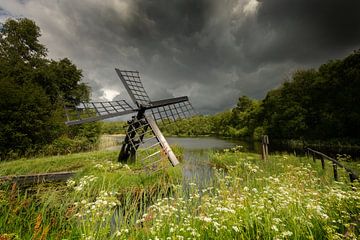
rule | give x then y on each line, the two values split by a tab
214	51
306	31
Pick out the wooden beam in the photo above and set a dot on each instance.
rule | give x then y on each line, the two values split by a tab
33	179
164	144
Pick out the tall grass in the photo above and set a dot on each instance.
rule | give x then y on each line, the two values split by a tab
285	197
86	205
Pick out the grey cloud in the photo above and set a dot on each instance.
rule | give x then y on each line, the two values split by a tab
213	51
306	31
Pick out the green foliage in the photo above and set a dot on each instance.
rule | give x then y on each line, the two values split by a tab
33	91
24	117
195	126
238	122
317	104
113	127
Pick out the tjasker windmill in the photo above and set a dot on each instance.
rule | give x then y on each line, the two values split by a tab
142	129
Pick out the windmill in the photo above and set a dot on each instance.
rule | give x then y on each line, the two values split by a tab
142	128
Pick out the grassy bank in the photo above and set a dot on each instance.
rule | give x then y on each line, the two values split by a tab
85	204
285	197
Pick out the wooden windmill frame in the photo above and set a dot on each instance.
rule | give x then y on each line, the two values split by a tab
143	126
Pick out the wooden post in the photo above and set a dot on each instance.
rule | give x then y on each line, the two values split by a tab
313	155
352	177
267	146
335	172
265	150
322	162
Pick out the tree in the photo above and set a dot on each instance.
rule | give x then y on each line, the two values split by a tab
317	103
33	90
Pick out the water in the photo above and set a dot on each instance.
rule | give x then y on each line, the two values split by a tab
196	167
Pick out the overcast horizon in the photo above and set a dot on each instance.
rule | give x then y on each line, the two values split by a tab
213	51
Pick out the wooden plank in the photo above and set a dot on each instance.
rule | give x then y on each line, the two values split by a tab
33	179
164	144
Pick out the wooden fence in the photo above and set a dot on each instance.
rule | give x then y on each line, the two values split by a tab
335	163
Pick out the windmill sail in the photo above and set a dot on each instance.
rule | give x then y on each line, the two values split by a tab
134	86
172	112
94	111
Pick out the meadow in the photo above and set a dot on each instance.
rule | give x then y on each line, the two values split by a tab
285	197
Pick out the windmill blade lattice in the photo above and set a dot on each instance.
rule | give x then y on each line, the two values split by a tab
134	86
95	111
172	112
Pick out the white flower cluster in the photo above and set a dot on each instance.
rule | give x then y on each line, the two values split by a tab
247	201
99	209
110	166
83	182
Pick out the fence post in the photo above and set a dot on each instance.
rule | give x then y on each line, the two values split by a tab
335	172
313	155
322	162
265	150
352	177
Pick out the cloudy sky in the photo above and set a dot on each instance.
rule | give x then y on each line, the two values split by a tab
211	50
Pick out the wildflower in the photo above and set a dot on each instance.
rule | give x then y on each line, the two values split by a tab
224	209
286	234
235	228
277	220
70	183
274	227
205	219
